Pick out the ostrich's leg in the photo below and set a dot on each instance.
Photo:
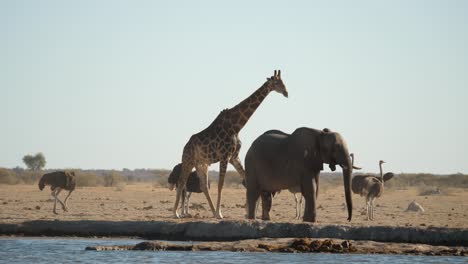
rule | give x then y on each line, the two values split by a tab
182	182
298	213
187	202
65	208
59	190
55	193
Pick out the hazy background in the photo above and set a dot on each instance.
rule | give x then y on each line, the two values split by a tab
124	84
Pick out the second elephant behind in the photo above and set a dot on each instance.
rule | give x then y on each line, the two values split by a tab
278	161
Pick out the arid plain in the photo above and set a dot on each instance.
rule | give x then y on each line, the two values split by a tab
146	202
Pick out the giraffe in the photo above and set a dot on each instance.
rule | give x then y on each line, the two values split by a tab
219	142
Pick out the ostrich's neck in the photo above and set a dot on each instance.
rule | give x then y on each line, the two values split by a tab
381	173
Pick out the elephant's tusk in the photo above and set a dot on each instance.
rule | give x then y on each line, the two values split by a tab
356	168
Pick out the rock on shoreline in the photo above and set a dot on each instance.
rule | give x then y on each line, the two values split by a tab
295	245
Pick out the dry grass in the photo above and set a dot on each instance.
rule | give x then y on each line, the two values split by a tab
146	202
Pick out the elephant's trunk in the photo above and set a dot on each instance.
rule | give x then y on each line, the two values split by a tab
347	172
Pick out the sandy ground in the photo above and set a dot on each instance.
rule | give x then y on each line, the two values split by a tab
19	203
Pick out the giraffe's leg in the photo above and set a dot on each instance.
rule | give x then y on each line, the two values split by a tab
184	200
367	208
202	171
235	161
188	202
186	168
222	174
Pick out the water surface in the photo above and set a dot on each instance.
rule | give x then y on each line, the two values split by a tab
72	250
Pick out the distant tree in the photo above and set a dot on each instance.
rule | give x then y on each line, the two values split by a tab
36	162
112	178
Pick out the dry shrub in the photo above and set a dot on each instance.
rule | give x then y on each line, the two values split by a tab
88	179
7	176
120	186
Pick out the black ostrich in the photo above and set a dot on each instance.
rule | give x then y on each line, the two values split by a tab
192	185
58	181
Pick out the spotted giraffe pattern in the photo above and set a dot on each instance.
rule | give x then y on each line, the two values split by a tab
220	142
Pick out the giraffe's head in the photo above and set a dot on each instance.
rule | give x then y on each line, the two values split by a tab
276	84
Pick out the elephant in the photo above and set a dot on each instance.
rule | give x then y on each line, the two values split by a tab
277	161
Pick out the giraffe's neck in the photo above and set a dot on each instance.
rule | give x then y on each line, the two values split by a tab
242	112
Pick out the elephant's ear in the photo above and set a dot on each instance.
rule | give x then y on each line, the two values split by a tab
303	147
313	160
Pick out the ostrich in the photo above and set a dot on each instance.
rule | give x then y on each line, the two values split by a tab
193	185
371	187
58	181
296	191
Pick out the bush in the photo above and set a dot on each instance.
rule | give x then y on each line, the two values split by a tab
29	177
7	176
87	179
113	178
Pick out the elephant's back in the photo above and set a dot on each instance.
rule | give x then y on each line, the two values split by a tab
269	144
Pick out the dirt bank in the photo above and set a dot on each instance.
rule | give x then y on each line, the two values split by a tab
295	245
144	202
237	230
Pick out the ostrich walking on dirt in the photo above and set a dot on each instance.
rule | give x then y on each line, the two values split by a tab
371	187
192	185
58	181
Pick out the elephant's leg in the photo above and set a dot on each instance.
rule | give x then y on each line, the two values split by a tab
308	188
181	183
252	197
266	205
235	161
202	172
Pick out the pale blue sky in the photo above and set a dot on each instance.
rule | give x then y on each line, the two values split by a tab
124	84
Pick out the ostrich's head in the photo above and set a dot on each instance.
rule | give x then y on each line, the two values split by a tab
381	162
41	184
